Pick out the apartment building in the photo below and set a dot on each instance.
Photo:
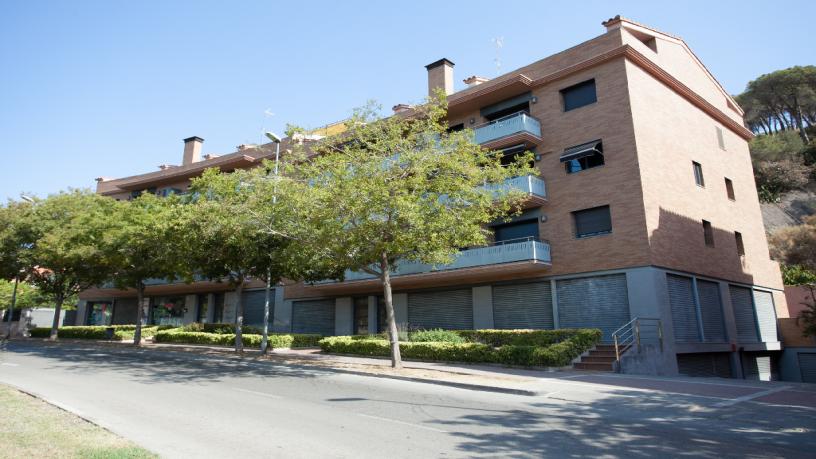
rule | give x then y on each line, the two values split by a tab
644	219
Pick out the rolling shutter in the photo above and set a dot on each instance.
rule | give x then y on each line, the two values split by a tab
450	310
766	315
254	301
711	311
683	309
593	302
523	306
756	366
714	364
124	311
807	366
744	314
316	316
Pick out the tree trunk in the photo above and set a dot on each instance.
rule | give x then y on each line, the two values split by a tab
239	317
11	308
800	121
265	336
385	276
137	333
57	310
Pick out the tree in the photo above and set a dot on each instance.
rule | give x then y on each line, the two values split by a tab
402	188
66	254
139	245
773	178
16	240
780	101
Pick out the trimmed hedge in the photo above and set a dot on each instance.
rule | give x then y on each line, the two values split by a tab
435	336
120	332
572	344
276	340
498	338
220	328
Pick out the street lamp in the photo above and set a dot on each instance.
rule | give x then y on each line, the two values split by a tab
265	338
27	198
273	137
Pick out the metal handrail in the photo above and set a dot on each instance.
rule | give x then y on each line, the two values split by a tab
628	335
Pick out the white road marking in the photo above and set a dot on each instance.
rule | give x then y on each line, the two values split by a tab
263	394
418	426
748	397
8	364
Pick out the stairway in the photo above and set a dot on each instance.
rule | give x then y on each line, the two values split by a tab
600	358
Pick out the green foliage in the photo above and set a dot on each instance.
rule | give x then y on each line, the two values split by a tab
17	237
120	332
774	178
781	100
797	275
28	296
436	335
219	328
777	147
795	245
276	340
562	346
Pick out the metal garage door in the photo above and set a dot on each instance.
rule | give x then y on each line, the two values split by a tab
716	364
316	316
523	306
593	302
743	306
766	315
254	307
711	311
807	366
683	309
124	311
450	310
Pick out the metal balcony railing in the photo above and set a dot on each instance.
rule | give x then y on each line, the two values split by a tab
528	184
507	126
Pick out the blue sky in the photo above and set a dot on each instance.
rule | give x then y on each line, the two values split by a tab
110	88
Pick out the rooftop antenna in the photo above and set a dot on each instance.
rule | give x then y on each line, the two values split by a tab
498	42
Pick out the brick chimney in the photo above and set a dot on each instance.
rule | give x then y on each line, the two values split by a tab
440	75
192	150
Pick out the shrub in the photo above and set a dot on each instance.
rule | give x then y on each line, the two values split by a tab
120	332
497	338
436	335
221	328
774	178
276	340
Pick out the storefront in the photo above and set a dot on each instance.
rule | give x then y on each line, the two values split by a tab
100	312
167	310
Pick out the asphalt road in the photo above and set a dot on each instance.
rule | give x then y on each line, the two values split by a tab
187	405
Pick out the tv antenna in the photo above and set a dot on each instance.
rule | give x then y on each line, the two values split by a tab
498	42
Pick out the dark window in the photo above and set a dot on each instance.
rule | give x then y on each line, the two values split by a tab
592	222
218	308
514	232
698	173
720	138
382	316
740	245
729	189
708	233
582	157
509	155
457	127
361	315
579	95
203	305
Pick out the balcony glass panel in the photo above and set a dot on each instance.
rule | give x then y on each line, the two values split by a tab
507	126
528	184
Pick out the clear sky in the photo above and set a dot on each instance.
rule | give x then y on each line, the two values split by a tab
110	88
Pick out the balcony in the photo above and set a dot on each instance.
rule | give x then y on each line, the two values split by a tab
511	129
500	255
534	187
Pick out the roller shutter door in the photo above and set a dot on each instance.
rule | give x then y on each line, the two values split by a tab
71	317
715	364
744	314
711	311
254	307
593	302
756	366
450	310
523	306
124	311
807	366
315	316
683	308
766	315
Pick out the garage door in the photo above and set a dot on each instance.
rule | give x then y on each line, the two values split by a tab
593	302
683	309
711	311
124	311
756	366
743	304
766	315
713	364
523	306
254	307
450	310
807	366
315	316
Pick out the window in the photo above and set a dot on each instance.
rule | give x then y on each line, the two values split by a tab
203	301
708	233
579	95
361	315
457	127
729	189
509	155
582	157
698	174
720	139
740	245
514	232
592	222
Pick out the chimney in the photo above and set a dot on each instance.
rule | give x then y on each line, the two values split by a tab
475	81
192	150
440	75
399	108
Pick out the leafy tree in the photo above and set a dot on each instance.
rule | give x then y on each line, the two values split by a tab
774	178
796	245
139	245
66	253
777	147
401	188
28	295
797	275
781	100
16	240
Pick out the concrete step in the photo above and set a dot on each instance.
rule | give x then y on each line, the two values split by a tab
594	353
595	366
597	359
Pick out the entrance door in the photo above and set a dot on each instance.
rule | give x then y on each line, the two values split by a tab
361	316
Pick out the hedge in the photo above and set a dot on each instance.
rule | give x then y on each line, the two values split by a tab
498	338
572	344
276	340
220	328
120	332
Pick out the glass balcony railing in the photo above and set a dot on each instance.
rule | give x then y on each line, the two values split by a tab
510	251
528	184
507	126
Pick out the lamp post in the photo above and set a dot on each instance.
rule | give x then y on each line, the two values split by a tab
28	199
265	337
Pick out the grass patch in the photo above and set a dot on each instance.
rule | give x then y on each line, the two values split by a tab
33	428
